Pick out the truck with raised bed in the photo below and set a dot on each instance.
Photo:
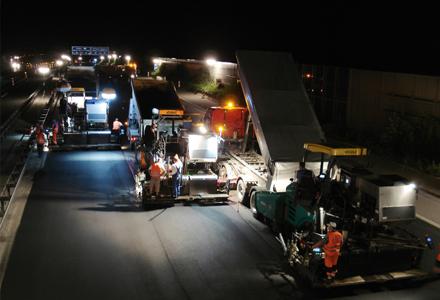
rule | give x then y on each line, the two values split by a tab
367	207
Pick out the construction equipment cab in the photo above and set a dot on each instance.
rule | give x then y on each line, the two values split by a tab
369	209
77	96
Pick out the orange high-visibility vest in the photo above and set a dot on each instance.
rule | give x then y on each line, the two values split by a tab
334	243
143	162
155	170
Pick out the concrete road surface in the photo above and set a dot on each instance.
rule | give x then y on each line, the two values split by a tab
82	238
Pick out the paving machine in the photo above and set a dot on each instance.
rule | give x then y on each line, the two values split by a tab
198	153
367	208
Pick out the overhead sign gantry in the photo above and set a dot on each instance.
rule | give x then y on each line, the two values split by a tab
90	50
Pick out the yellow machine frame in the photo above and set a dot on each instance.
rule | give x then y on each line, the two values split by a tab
318	148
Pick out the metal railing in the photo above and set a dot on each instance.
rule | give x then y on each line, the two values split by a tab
21	150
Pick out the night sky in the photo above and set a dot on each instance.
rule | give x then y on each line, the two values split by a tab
400	38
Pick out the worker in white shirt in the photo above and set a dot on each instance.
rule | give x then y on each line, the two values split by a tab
176	175
117	128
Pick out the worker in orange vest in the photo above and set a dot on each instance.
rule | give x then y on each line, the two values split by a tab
40	138
331	244
143	160
55	129
156	172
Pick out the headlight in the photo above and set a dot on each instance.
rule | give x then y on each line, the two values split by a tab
43	70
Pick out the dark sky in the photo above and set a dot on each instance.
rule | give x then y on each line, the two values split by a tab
400	38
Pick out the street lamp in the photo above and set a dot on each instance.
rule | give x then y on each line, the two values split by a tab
59	63
15	66
127	58
102	57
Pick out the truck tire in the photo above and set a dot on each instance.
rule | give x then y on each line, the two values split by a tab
241	191
253	206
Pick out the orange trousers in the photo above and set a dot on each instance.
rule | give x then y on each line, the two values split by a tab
54	137
330	262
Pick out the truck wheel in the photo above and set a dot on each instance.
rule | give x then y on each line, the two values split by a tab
253	206
241	191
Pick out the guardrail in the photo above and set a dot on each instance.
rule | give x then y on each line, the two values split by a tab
24	147
5	126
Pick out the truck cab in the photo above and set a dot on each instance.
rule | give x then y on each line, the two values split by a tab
227	121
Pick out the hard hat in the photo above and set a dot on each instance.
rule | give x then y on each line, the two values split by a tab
332	224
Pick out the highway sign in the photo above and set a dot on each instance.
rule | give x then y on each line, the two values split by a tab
89	50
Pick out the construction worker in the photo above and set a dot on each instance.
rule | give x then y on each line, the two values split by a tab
176	175
307	185
55	129
149	136
40	138
304	175
331	244
117	128
142	161
156	172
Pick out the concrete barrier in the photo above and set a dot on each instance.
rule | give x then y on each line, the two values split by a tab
12	218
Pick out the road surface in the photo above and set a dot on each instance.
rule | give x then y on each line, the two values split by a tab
82	238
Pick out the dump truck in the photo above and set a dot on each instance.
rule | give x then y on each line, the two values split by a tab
367	207
281	118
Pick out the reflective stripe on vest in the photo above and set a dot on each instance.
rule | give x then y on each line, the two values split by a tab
334	242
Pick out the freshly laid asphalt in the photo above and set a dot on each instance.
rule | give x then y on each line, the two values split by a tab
81	237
